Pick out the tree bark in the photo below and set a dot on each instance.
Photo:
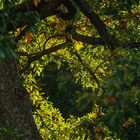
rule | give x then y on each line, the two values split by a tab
15	108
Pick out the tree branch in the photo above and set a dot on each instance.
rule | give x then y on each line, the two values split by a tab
87	39
131	45
45	9
99	41
37	56
92	74
97	22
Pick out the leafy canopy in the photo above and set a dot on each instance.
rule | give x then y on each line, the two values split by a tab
96	55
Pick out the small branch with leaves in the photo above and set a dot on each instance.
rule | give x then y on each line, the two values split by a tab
36	56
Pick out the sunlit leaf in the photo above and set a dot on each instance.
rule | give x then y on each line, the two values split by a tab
28	38
36	2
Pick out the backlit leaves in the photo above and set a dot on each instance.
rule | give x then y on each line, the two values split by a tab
36	2
28	38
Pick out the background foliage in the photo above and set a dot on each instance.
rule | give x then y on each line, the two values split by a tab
82	91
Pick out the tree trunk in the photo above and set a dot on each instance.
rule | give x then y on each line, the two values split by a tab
15	110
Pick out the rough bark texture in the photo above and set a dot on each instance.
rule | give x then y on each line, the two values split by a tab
15	109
